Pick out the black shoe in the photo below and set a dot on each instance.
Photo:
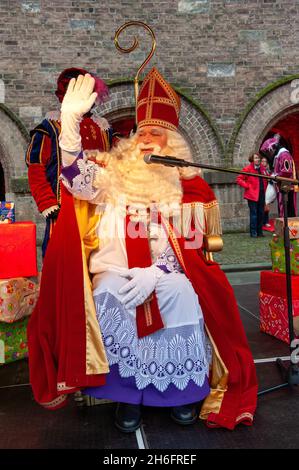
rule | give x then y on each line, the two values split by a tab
253	235
127	417
186	414
260	235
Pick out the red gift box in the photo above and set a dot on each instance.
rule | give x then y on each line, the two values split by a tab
273	304
275	284
18	250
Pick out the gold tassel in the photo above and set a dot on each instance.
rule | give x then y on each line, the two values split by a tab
199	217
212	218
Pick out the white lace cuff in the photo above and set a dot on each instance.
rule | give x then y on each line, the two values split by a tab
49	210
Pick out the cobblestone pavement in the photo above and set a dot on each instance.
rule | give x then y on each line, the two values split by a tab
240	248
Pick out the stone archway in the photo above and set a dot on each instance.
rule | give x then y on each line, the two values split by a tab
272	107
13	143
195	125
287	126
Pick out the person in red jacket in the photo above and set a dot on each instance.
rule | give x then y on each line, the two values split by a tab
255	189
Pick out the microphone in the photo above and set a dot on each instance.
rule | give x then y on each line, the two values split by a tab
165	160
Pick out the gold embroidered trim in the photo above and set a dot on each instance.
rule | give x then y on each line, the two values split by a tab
157	122
149	101
149	107
61	386
57	401
106	141
244	415
41	149
208	205
29	150
169	89
148	314
175	243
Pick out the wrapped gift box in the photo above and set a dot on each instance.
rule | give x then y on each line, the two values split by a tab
7	212
18	298
273	304
278	255
18	250
13	338
293	224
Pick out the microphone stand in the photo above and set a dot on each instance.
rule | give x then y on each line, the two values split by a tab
290	374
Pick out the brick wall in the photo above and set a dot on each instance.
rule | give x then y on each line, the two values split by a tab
219	52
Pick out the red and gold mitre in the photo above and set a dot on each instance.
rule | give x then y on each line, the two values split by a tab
157	103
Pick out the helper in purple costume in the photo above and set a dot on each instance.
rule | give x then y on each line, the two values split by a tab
283	165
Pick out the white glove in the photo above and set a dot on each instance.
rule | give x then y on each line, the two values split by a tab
142	284
77	101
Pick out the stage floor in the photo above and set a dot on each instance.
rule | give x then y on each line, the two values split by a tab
25	425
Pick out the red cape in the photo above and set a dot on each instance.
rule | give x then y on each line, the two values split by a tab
56	330
223	321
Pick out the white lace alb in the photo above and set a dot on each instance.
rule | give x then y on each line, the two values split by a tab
173	355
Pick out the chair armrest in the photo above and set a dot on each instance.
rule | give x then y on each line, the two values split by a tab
212	243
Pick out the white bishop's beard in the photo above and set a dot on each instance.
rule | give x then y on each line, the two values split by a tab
142	184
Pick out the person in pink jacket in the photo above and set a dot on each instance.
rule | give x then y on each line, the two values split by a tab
255	189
